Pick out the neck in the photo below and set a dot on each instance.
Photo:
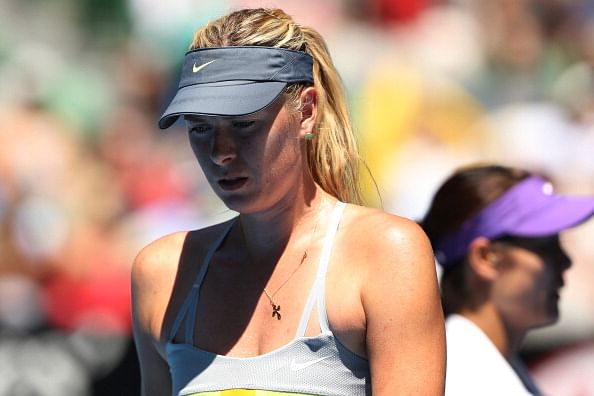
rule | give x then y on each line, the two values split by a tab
266	234
506	339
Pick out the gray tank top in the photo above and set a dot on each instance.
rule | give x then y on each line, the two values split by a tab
318	365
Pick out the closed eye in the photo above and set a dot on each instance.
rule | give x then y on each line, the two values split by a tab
199	129
243	124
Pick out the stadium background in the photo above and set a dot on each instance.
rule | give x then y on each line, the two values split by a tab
86	178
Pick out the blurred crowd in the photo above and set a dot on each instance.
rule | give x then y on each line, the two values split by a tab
86	178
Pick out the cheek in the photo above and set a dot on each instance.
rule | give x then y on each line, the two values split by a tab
196	146
526	291
282	152
528	277
524	276
200	152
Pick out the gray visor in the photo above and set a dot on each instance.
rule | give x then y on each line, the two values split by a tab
234	81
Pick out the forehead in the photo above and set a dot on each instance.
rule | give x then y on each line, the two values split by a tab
268	112
547	248
543	240
531	243
199	118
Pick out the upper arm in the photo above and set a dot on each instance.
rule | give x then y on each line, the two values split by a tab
153	275
405	326
154	371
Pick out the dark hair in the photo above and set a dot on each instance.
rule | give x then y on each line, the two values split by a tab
463	195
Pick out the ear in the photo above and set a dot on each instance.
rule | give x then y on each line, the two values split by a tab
309	108
482	259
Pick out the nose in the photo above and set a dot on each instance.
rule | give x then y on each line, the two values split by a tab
566	262
563	259
223	147
562	264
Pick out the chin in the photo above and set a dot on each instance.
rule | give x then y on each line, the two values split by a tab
240	204
551	317
236	205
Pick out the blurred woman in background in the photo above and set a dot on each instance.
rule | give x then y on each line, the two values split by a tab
495	232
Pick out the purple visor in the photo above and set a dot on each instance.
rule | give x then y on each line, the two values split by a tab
528	209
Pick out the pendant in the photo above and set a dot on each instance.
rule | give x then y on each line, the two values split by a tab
275	311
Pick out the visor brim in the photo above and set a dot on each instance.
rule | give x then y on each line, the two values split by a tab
559	214
230	98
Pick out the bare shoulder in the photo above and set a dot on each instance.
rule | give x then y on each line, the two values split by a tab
158	258
384	249
161	268
153	276
391	260
385	237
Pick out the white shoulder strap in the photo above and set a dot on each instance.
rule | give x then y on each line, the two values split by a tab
318	290
189	305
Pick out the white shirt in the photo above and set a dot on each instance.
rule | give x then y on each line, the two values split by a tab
476	367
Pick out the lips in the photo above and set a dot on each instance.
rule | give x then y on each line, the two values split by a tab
231	184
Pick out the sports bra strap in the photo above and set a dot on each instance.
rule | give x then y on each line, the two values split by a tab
191	301
317	293
318	290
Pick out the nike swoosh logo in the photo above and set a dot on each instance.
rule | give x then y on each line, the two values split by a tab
196	69
301	365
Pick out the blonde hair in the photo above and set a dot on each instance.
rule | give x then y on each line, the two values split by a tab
333	157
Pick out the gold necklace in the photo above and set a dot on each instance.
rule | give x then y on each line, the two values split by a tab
276	307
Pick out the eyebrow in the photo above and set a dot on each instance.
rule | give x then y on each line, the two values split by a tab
195	118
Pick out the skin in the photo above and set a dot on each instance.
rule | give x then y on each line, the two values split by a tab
520	287
381	292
